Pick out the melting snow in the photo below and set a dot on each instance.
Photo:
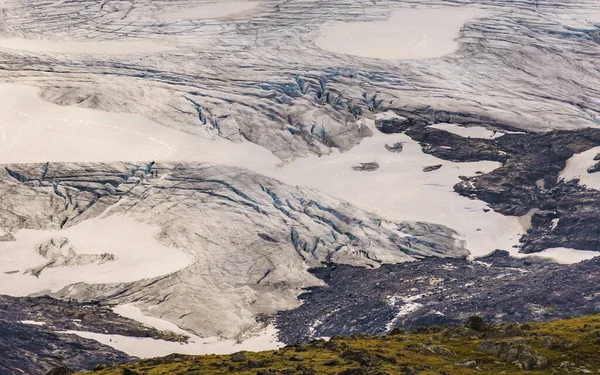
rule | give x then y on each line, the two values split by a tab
149	348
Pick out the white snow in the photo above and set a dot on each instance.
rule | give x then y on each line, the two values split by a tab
87	47
213	10
138	256
565	255
554	223
132	312
577	167
400	190
32	130
408	306
149	348
33	323
407	34
469	132
594	18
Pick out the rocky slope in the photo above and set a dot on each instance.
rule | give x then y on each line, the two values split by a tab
33	338
564	213
441	292
562	347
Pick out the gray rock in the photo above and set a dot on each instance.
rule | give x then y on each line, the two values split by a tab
448	291
367	167
595	168
396	147
515	350
432	168
60	253
62	370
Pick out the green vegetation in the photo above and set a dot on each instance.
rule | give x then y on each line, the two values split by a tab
562	347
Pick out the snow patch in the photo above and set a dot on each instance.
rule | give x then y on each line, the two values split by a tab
33	323
578	165
469	132
144	347
121	47
407	306
565	255
131	242
207	11
407	34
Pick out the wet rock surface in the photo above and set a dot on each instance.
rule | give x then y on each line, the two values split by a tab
566	213
441	292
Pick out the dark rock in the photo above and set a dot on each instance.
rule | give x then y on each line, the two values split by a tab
516	350
409	370
468	364
528	178
238	357
367	167
595	168
62	370
363	357
396	147
127	371
354	371
476	323
508	290
432	168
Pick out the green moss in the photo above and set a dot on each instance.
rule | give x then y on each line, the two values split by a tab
569	346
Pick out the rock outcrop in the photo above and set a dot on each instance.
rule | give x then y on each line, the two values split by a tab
498	288
564	212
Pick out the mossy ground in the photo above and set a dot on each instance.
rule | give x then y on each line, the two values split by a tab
571	346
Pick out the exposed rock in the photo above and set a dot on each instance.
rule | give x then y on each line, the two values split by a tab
368	167
476	323
62	370
238	357
60	253
432	168
595	168
354	371
49	352
396	147
442	292
527	180
516	350
58	315
468	364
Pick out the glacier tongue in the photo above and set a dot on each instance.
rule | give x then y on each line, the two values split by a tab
251	238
